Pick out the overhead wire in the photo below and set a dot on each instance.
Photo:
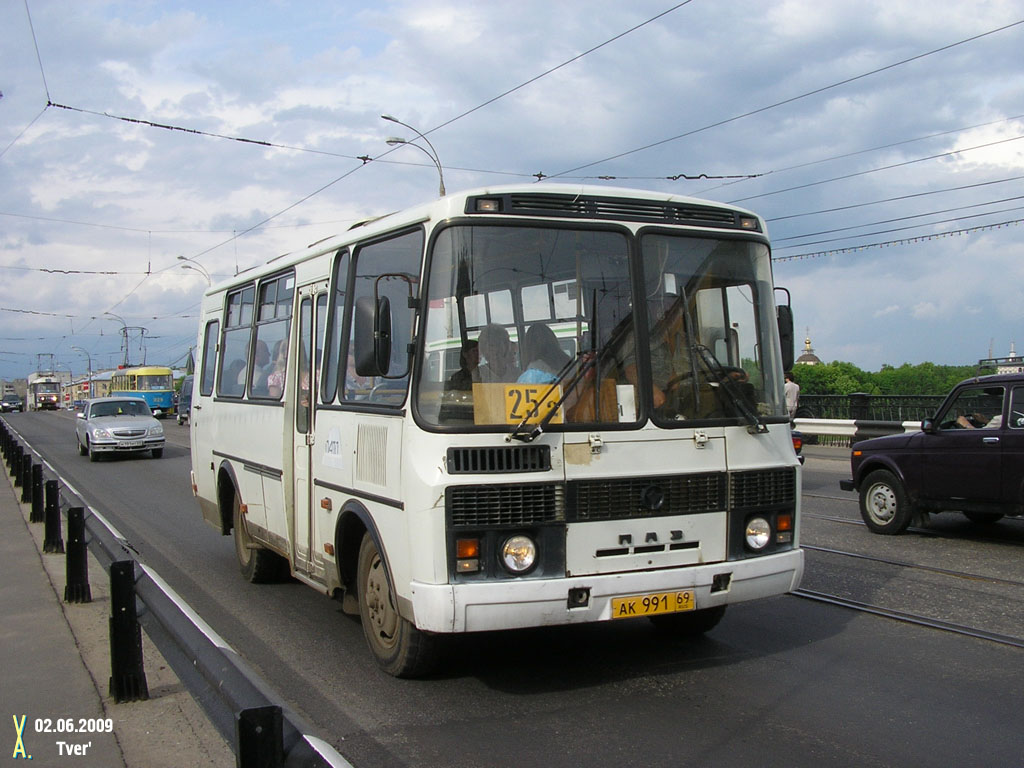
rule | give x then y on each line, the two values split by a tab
789	100
876	170
777	240
902	241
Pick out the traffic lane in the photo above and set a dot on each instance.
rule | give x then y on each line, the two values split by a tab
782	682
568	696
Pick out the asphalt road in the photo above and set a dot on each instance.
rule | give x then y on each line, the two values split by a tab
787	681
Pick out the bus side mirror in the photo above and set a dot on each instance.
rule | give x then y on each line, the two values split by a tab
784	315
372	336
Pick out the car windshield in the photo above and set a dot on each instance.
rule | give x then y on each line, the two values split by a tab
120	408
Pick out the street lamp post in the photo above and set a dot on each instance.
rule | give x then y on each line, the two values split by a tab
196	267
431	153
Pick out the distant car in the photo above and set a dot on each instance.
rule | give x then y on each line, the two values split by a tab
185	400
118	425
969	458
11	403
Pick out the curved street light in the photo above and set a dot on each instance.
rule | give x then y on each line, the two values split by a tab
431	153
197	267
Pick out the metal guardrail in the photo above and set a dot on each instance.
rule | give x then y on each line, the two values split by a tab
850	431
220	681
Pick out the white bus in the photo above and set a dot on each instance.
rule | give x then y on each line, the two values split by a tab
643	469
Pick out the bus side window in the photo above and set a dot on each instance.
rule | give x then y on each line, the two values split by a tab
237	333
333	350
209	357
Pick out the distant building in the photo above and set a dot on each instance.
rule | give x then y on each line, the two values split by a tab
808	357
1013	363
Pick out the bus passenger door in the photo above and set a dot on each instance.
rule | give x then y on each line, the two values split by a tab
306	368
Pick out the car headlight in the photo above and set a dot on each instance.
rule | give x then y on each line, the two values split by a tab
518	553
758	533
99	432
157	430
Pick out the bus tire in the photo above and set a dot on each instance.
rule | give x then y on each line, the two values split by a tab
258	565
397	646
884	506
689	623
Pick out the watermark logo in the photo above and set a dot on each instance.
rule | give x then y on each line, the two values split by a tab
19	745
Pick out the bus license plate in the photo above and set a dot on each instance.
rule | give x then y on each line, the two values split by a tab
652	605
130	444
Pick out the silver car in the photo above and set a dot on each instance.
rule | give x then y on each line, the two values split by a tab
118	425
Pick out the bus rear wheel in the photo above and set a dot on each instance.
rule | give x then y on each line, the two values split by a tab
258	565
398	647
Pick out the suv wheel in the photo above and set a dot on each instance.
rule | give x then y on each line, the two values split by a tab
883	503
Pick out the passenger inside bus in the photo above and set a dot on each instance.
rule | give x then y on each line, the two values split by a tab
469	368
275	379
545	356
260	369
496	351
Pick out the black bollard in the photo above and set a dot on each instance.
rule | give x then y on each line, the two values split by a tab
52	540
26	478
36	515
77	589
18	454
127	676
259	737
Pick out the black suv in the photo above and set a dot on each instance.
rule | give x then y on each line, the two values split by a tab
969	458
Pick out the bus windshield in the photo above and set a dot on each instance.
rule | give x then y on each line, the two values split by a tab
154	381
541	324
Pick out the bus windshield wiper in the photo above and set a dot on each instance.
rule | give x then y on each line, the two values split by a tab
719	375
572	367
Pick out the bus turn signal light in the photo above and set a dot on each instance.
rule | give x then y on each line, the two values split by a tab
467	555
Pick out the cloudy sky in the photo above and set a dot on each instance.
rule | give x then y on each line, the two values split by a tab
885	140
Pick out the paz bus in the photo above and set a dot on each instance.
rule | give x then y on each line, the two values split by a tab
650	474
153	383
43	391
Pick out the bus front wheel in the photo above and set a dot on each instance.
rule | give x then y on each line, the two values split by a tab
398	647
258	565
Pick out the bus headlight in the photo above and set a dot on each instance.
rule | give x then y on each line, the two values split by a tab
758	533
518	554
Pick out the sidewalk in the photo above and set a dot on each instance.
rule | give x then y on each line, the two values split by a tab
55	669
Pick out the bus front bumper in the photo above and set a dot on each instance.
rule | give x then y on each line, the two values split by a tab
447	608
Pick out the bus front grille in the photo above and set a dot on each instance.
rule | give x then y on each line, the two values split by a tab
511	505
499	460
625	498
763	488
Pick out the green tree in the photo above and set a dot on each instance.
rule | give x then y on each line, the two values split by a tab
841	378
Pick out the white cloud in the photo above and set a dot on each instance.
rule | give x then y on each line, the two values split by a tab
319	75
